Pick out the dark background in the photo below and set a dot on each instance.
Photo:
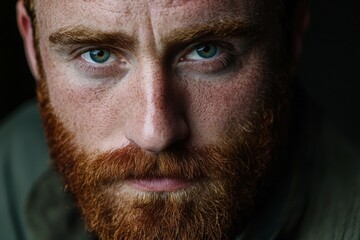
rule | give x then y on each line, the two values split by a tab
329	68
17	83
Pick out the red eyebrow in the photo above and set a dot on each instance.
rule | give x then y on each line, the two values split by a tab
84	35
213	30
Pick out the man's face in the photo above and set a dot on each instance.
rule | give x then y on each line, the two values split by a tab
160	114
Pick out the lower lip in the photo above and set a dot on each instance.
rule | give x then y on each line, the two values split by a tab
158	185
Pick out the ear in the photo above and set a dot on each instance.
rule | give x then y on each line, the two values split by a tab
26	30
301	23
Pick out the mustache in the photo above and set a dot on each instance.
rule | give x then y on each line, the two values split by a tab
130	162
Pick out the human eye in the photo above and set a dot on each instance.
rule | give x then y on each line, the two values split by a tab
101	62
207	58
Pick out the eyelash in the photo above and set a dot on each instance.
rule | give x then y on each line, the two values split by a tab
212	65
112	68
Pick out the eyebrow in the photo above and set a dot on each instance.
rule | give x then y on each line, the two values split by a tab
80	35
214	30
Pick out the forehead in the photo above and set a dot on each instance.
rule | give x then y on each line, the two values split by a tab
136	6
158	14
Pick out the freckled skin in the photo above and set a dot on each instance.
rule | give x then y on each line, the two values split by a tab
150	106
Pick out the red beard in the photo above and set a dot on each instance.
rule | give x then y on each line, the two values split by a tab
223	180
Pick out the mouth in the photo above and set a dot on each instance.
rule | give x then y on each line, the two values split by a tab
158	184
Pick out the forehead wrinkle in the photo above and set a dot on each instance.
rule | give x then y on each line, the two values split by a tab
213	30
83	35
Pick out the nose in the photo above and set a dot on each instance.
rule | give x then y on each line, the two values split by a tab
158	120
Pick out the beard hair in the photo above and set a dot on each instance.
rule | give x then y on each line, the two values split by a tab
224	179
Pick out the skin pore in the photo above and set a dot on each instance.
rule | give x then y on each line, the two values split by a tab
159	112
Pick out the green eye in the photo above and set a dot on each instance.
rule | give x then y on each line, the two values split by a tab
207	51
99	55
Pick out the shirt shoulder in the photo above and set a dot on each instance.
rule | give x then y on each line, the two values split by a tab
333	206
23	158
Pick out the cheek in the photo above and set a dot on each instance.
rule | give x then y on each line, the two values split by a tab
219	109
92	113
223	107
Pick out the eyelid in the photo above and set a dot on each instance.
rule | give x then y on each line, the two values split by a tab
76	51
224	47
94	70
221	63
119	57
